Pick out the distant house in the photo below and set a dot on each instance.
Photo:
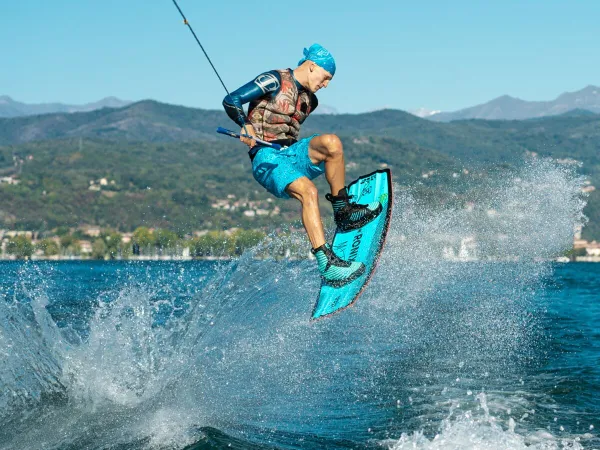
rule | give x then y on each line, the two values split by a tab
92	231
591	248
86	247
9	180
580	243
593	251
12	234
220	204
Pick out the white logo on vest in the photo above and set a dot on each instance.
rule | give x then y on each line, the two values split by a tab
267	82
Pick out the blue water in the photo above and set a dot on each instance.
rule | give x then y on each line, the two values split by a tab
496	349
170	355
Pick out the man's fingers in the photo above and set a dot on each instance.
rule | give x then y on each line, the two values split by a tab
249	142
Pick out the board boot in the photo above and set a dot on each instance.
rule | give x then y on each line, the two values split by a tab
335	271
349	215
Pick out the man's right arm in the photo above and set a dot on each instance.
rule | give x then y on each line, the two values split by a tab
267	83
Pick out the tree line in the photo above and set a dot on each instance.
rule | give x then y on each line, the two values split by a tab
144	242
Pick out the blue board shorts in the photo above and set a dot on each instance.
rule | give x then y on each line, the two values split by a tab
275	170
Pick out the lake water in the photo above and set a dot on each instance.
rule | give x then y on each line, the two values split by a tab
436	354
170	355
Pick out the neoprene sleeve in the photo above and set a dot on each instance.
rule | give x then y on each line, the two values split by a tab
267	83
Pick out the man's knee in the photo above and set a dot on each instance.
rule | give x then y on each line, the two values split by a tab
333	144
309	192
304	190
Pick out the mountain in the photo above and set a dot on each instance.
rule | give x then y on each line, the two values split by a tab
510	108
142	121
326	109
12	108
472	140
152	121
578	113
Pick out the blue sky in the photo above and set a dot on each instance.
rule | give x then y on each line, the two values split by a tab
437	54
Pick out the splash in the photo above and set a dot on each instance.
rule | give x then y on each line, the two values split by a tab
525	214
30	346
479	430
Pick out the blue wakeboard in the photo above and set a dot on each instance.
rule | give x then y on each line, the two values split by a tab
363	244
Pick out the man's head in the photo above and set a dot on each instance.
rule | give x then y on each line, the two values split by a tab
319	65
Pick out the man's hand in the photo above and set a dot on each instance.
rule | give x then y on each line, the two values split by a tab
250	131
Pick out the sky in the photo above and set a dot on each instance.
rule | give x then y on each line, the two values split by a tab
443	55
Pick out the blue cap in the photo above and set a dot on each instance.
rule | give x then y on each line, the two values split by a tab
320	56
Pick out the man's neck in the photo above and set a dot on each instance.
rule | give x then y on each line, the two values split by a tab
300	77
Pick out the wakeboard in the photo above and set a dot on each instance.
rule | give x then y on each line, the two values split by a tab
363	244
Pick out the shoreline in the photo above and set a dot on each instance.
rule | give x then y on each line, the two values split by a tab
578	259
132	258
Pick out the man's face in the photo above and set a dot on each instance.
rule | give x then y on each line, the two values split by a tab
318	78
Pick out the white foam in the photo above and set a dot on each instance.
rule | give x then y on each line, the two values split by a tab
473	431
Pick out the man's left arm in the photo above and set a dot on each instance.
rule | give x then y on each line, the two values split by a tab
267	83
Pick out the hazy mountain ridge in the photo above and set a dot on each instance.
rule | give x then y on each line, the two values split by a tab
511	108
504	107
13	108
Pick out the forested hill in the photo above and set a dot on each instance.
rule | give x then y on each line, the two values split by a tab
186	186
166	162
572	134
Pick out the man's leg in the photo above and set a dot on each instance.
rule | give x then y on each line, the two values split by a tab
348	216
328	148
306	192
334	271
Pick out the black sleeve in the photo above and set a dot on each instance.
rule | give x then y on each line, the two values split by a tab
267	83
313	103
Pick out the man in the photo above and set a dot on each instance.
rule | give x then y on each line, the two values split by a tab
280	101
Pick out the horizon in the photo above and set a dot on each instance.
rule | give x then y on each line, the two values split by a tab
337	112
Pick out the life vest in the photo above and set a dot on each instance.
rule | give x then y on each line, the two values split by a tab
279	117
